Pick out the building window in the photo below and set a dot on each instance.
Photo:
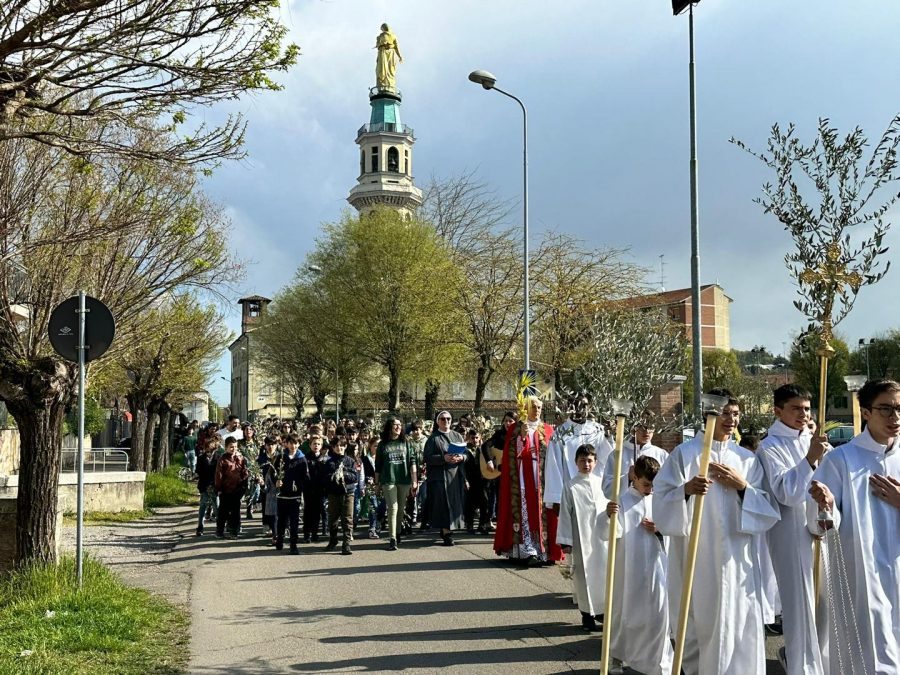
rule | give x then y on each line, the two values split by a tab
393	160
362	161
406	162
375	166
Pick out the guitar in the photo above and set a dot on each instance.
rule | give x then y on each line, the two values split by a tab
486	471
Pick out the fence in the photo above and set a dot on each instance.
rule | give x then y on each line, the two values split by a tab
96	459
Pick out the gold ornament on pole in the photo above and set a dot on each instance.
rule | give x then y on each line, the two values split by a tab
854	384
830	278
713	406
622	409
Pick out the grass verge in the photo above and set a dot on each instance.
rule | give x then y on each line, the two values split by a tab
108	517
107	627
166	488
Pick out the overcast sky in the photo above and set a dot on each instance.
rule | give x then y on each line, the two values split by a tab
606	88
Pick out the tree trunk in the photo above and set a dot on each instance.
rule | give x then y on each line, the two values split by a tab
393	389
482	377
40	433
163	448
319	401
432	390
148	440
345	395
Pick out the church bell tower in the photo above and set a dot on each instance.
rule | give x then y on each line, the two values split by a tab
385	151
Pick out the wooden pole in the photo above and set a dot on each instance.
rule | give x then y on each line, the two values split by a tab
693	544
820	429
611	557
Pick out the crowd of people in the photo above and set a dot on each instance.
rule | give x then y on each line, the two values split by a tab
547	496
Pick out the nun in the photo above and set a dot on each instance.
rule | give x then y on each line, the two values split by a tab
444	453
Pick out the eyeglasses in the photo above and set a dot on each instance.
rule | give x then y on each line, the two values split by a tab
887	411
443	419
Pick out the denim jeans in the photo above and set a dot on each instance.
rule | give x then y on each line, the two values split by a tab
207	500
190	460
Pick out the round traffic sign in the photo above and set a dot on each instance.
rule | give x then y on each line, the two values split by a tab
99	328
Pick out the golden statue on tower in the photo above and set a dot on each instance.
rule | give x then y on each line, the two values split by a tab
388	58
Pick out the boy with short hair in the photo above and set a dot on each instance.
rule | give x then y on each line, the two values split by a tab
858	484
476	501
231	481
789	454
293	478
206	482
313	495
578	534
339	479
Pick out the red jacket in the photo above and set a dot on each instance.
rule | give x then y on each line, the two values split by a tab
231	473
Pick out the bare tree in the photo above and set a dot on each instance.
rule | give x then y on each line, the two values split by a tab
174	239
132	61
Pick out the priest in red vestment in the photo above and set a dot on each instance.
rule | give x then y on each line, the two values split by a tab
521	533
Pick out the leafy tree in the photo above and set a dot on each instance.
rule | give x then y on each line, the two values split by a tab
805	364
720	369
633	353
94	418
131	63
883	358
395	285
167	237
571	284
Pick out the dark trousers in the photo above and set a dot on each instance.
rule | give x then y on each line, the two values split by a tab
312	514
229	512
340	508
476	500
288	516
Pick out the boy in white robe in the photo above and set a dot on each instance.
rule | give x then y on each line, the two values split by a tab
789	454
725	623
640	631
859	485
578	534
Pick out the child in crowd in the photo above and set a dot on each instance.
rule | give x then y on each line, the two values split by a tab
640	631
270	465
206	482
339	479
292	479
231	483
578	534
313	496
371	490
476	500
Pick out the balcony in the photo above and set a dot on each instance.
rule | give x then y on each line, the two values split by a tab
386	128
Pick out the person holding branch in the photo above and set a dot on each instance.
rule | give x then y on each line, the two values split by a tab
724	622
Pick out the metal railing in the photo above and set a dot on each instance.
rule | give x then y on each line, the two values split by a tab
388	127
95	460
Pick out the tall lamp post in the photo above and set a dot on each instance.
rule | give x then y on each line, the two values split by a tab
488	81
865	345
678	6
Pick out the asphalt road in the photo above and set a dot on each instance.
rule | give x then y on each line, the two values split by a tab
421	609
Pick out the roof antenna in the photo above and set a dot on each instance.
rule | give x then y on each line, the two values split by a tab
662	273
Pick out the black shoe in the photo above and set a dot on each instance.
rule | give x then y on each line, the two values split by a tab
220	535
588	624
306	540
346	551
315	539
470	530
332	545
448	539
199	532
294	551
279	545
392	545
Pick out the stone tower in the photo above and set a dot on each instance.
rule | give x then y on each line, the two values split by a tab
385	158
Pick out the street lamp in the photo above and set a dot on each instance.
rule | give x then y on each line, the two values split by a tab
678	6
863	344
488	81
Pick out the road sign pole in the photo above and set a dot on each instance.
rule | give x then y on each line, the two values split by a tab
79	531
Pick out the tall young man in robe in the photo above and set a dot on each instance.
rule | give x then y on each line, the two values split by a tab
725	623
560	467
520	531
789	455
859	485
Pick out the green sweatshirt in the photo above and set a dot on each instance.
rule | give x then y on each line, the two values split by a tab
394	462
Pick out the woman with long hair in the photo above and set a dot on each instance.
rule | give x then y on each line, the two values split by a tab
395	472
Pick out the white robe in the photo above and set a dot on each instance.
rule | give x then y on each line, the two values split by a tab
630	453
582	504
725	624
640	621
869	531
783	456
559	465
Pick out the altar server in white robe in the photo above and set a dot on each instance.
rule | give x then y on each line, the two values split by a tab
859	483
578	533
638	445
640	630
578	430
789	454
725	623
